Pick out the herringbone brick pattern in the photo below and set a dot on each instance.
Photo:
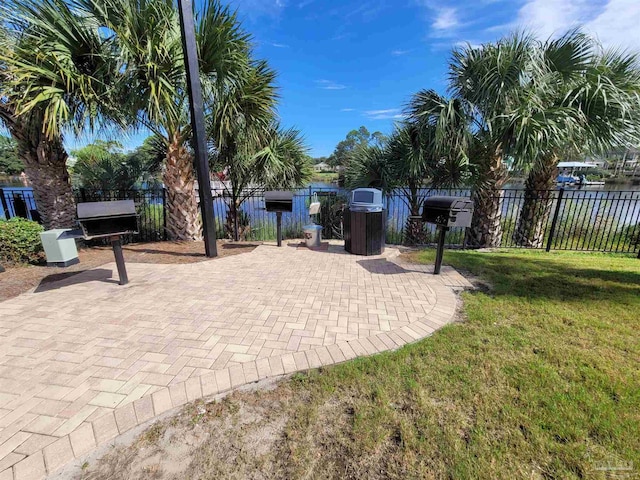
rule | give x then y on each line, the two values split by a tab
88	359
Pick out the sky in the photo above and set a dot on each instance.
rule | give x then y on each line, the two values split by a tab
346	63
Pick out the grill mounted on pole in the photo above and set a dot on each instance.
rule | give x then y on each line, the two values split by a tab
446	212
109	220
278	201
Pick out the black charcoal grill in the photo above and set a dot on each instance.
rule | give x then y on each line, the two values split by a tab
446	212
278	201
109	220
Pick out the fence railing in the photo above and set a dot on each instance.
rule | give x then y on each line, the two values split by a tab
20	202
586	220
149	206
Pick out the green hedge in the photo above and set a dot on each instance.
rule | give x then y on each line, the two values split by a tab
20	241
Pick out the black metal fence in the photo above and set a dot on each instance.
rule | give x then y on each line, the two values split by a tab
149	206
17	202
20	202
585	219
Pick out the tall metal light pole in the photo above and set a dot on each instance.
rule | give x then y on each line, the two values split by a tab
187	26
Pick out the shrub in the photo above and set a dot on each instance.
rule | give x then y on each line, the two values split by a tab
20	241
331	212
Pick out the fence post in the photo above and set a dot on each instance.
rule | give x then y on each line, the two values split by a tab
164	213
554	222
5	207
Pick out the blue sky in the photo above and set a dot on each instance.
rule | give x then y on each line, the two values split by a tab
343	64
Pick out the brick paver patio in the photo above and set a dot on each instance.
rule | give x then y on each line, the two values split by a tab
87	359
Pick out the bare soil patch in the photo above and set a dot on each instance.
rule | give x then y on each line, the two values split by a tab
246	435
22	278
238	437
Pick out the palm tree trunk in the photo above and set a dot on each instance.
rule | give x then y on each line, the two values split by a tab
486	229
538	199
414	229
183	219
45	162
232	227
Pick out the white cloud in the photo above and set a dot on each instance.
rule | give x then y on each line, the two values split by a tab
446	19
347	109
618	24
398	53
614	22
256	9
548	17
279	45
365	11
330	85
385	114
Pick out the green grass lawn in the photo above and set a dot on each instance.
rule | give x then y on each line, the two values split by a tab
540	381
324	176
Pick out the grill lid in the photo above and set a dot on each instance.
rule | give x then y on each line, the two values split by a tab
448	203
117	208
278	196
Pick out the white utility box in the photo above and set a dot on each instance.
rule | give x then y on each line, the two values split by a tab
60	252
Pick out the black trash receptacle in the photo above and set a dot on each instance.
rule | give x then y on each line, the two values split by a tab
364	222
364	232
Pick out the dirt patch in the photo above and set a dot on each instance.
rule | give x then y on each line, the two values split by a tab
236	437
20	279
279	434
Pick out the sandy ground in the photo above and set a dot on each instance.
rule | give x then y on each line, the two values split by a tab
19	279
239	436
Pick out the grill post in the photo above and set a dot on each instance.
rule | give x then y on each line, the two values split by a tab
116	243
442	231
279	227
278	201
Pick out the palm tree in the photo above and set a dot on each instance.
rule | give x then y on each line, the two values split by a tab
239	122
251	149
55	68
586	100
153	90
429	148
276	158
281	164
489	84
